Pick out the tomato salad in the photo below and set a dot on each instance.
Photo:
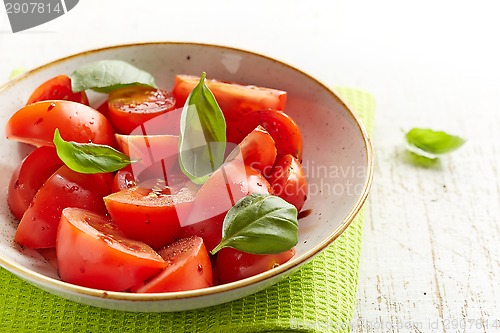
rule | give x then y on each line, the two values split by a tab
155	190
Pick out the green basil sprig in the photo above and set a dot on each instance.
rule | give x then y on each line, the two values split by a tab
260	224
108	75
89	157
202	140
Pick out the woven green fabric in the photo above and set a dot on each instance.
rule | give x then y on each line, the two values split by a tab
320	297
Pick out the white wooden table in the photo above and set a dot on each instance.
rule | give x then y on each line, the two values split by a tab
431	250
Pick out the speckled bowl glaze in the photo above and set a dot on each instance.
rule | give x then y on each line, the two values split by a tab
337	158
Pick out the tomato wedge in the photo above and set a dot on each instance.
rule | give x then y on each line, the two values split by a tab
228	184
130	107
233	265
258	150
235	100
188	268
57	88
282	127
151	215
35	124
27	179
289	182
150	149
65	188
92	252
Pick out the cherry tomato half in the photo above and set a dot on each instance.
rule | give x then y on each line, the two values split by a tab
233	265
27	179
150	215
65	188
57	88
288	180
188	268
235	100
92	252
130	107
35	124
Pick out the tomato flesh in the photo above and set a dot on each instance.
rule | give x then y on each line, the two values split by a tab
151	215
65	188
228	184
289	182
233	265
235	100
57	88
92	252
35	124
130	107
188	268
27	179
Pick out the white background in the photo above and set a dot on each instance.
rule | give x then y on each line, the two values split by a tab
431	250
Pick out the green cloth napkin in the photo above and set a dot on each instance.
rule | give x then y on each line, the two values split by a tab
320	297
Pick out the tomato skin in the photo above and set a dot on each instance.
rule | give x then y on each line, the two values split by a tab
35	124
288	180
151	216
130	107
150	149
92	252
258	150
65	188
57	88
221	191
284	130
188	268
124	179
233	265
27	179
235	100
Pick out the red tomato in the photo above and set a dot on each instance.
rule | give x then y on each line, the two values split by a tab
283	129
130	107
150	149
124	179
233	265
92	252
289	181
235	100
150	215
228	184
57	88
188	268
35	124
65	188
258	150
27	179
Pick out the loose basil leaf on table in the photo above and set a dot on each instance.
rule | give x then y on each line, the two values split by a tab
108	75
89	158
202	140
260	224
430	143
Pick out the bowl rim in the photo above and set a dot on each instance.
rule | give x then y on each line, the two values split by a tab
51	283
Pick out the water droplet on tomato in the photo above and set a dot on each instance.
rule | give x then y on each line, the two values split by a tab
38	121
200	269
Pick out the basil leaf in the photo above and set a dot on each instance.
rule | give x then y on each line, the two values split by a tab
260	224
89	157
108	75
430	143
202	139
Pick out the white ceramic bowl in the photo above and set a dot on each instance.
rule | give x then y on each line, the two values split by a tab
337	157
